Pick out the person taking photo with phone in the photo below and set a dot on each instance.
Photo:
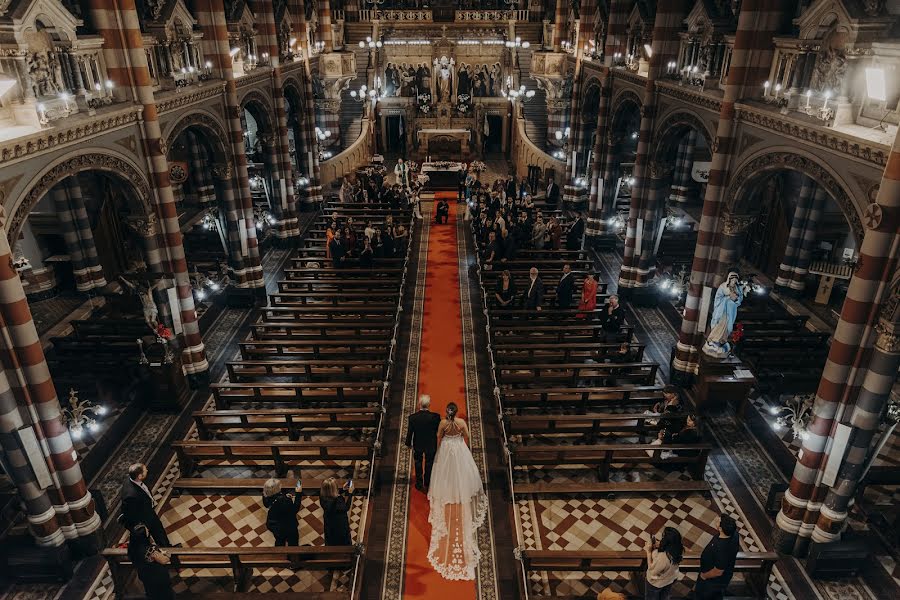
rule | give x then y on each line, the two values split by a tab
336	506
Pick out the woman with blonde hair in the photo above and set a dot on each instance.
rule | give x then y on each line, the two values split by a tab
335	506
283	508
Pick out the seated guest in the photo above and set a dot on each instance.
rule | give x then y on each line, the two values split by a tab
337	250
369	231
565	288
443	211
534	295
150	563
717	561
689	434
588	300
335	506
505	292
281	519
367	256
612	318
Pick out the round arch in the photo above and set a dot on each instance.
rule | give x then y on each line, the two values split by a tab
669	133
215	137
90	160
261	108
591	98
623	104
755	168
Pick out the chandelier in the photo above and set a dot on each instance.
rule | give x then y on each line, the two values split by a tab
80	415
794	414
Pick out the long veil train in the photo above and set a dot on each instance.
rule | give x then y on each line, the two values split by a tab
458	508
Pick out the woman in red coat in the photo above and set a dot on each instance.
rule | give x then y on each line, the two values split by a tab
588	300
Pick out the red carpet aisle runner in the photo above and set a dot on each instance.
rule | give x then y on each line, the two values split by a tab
441	375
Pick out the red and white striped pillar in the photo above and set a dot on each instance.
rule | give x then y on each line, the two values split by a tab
77	233
644	214
859	373
751	59
596	226
118	23
559	24
616	30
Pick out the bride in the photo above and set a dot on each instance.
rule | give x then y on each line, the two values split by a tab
458	502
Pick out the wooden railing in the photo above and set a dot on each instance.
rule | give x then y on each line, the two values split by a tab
526	153
357	154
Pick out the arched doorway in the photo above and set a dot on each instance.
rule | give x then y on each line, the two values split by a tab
587	130
618	164
262	160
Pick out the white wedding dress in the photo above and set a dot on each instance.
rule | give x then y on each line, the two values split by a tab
458	508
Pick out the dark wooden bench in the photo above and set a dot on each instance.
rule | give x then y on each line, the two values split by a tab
580	398
339	299
503	316
311	487
571	332
299	394
357	284
508	352
610	489
587	426
279	453
370	329
295	422
329	313
328	273
639	373
313	348
310	370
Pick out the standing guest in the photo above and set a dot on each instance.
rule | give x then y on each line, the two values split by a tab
554	231
150	563
138	505
575	234
510	245
505	292
367	256
335	506
421	437
369	231
281	519
494	250
663	557
461	185
534	296
346	192
717	562
329	235
337	250
565	289
350	239
511	187
470	184
387	241
612	318
538	234
401	171
552	193
588	300
523	190
401	237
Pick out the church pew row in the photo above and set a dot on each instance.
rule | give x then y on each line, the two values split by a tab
241	563
604	457
295	422
329	313
609	489
328	273
341	285
580	399
302	395
313	349
322	329
574	331
642	373
280	453
753	567
570	352
340	299
502	316
224	486
309	370
588	426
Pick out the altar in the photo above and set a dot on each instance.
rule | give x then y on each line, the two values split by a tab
445	143
442	175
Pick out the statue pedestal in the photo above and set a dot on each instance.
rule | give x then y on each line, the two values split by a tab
717	384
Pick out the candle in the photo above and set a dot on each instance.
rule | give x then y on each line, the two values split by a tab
777	90
808	94
827	96
766	89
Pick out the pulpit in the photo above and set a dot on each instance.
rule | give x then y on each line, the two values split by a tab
720	381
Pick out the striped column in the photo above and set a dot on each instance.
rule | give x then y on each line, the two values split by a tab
287	226
76	230
596	225
57	503
118	24
684	162
199	170
235	182
643	213
572	193
559	24
802	237
751	59
616	30
326	31
855	382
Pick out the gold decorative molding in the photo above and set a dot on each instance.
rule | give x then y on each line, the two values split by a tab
736	224
190	96
876	154
57	137
692	96
629	77
263	74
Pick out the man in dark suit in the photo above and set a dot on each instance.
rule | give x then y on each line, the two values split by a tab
337	249
565	289
534	293
511	187
552	193
612	318
138	503
575	234
421	436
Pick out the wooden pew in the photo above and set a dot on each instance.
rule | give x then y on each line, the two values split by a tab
294	421
755	567
329	313
313	349
311	487
357	284
268	330
575	331
339	299
299	394
641	373
311	370
604	456
327	272
588	426
580	398
504	315
610	489
241	562
280	453
506	352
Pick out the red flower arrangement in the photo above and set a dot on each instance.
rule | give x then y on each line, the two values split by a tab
738	334
163	332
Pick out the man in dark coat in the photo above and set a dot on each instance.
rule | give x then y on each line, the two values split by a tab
138	505
534	292
552	193
575	234
421	436
337	249
565	289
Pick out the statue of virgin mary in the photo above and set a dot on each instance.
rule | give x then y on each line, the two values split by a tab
728	298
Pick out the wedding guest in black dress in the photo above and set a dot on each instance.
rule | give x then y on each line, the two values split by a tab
335	506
